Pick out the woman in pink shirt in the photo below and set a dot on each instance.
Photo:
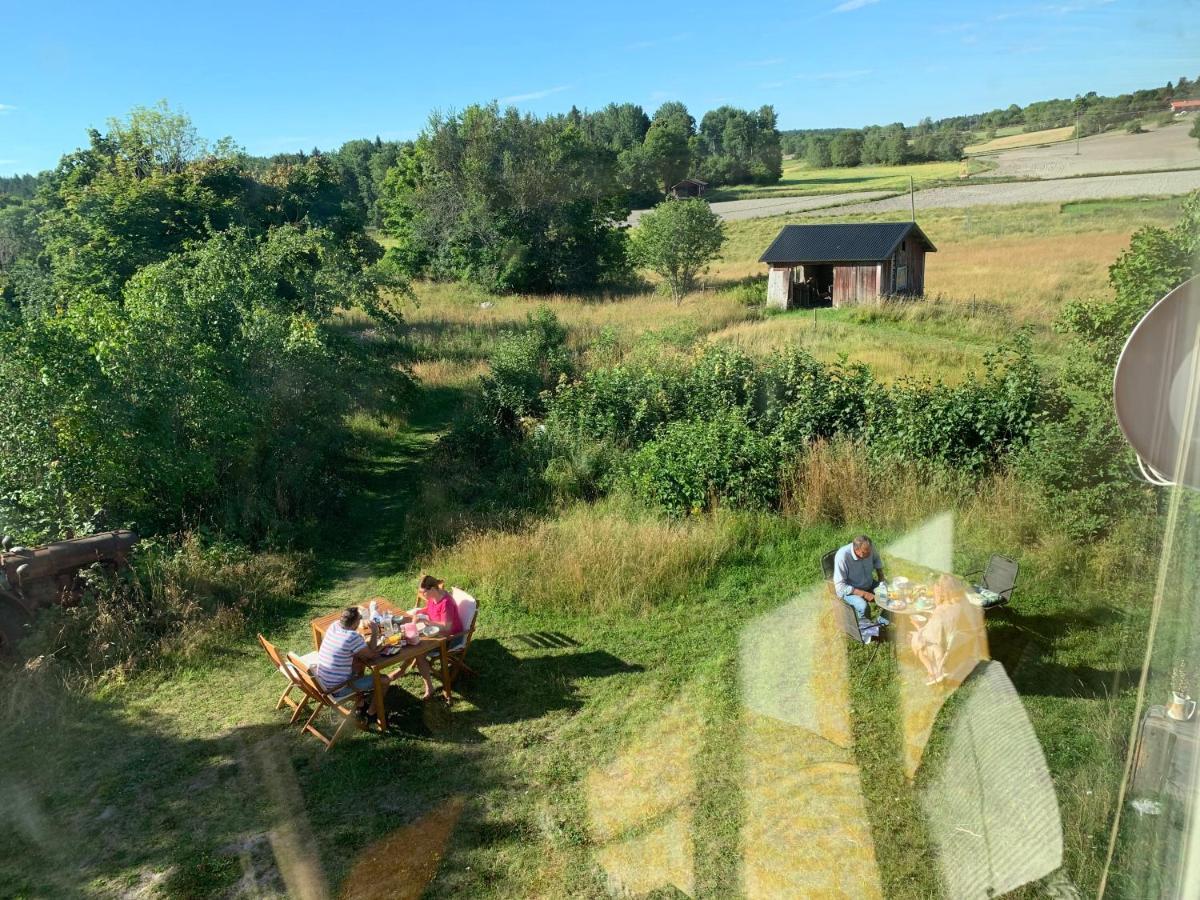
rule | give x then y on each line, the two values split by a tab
442	611
439	606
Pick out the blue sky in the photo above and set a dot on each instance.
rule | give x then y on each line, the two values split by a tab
284	76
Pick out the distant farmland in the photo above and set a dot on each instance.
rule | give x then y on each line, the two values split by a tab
1025	139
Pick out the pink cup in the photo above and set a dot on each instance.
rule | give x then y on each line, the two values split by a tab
411	630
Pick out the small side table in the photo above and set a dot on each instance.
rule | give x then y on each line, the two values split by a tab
1165	754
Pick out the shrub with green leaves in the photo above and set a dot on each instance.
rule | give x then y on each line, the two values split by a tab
970	426
524	366
696	463
213	392
817	401
676	240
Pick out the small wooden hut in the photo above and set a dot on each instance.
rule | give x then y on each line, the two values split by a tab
845	265
689	187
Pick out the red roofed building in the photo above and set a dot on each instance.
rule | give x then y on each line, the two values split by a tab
1184	105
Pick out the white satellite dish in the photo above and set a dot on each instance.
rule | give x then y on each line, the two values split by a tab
1156	388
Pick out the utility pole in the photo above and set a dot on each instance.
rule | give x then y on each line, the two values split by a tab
1078	118
912	202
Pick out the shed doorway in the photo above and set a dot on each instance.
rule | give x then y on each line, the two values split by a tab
813	285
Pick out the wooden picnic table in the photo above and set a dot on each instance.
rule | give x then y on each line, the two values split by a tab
403	656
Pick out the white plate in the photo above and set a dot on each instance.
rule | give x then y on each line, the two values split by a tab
430	630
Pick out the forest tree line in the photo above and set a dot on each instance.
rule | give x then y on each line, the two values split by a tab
945	139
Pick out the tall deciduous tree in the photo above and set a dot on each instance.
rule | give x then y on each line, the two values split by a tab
676	240
508	201
666	152
846	148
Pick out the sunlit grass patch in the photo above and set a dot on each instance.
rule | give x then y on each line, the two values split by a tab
608	558
799	179
1023	139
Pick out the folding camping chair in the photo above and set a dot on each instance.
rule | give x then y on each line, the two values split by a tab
845	616
1000	577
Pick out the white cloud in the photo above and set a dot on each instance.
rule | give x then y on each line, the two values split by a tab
9	162
763	63
535	95
851	5
6	107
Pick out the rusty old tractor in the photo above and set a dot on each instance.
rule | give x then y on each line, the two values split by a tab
33	578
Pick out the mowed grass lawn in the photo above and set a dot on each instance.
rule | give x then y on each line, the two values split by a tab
799	179
660	706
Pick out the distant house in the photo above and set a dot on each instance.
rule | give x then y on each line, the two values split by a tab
689	187
1184	105
844	265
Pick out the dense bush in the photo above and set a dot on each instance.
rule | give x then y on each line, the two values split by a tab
523	366
653	414
695	463
168	339
815	401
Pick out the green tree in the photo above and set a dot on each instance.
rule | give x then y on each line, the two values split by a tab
507	201
666	153
817	151
734	146
1195	132
676	240
846	148
675	114
619	126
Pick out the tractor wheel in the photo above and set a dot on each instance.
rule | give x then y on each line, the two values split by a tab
14	625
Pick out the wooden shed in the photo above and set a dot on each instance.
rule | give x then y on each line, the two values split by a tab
844	265
689	187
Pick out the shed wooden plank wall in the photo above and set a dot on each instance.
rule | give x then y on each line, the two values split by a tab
913	256
855	284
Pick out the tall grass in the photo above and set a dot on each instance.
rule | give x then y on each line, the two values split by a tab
180	602
610	558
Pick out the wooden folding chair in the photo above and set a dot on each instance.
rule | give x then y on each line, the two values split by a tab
457	646
456	649
306	662
331	700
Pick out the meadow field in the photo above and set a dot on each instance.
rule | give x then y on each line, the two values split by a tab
658	709
799	180
1015	137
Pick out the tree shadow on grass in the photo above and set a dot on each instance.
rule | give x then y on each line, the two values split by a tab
102	799
510	687
1026	644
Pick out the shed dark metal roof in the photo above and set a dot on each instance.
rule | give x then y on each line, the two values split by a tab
860	242
690	181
